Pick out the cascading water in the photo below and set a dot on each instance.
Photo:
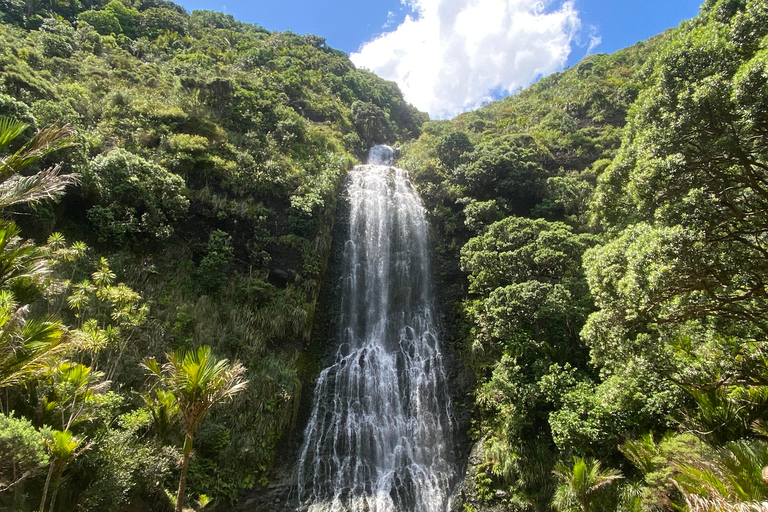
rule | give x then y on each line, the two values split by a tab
379	432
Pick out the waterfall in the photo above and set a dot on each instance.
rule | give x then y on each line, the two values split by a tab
379	435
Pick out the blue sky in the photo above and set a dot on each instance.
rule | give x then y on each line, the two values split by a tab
621	23
451	55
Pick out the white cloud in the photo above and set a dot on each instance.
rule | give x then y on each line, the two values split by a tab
594	39
452	55
594	42
390	19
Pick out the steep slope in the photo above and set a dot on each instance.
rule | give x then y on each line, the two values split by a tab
211	153
609	224
508	188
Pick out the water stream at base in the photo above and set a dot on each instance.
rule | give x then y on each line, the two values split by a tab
379	435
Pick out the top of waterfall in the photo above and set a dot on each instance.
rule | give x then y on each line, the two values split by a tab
381	155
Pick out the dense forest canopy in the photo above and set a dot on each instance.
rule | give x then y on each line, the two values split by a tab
611	227
168	188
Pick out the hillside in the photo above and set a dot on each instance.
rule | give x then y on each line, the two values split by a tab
601	237
211	153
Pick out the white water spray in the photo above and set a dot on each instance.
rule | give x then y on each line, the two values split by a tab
378	439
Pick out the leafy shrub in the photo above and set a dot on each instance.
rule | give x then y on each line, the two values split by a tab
21	449
15	109
157	20
185	143
451	147
135	198
128	18
12	11
125	464
371	123
57	38
105	22
212	269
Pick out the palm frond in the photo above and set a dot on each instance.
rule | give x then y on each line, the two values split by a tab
35	345
47	184
732	480
198	380
580	484
43	143
10	129
697	503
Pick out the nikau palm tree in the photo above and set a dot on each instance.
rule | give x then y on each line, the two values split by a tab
581	484
27	345
198	380
64	448
48	183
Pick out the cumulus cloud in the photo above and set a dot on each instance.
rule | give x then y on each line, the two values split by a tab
450	56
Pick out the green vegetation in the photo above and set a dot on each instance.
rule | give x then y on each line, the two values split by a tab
202	159
581	485
610	221
196	381
601	244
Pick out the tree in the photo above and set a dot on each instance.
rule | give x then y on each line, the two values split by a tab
451	147
105	22
199	380
128	18
594	418
110	312
501	168
48	183
64	448
159	20
529	302
529	285
680	282
581	485
135	197
371	123
72	397
12	11
687	196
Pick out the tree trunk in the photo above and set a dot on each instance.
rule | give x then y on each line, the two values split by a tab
45	488
184	467
55	490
